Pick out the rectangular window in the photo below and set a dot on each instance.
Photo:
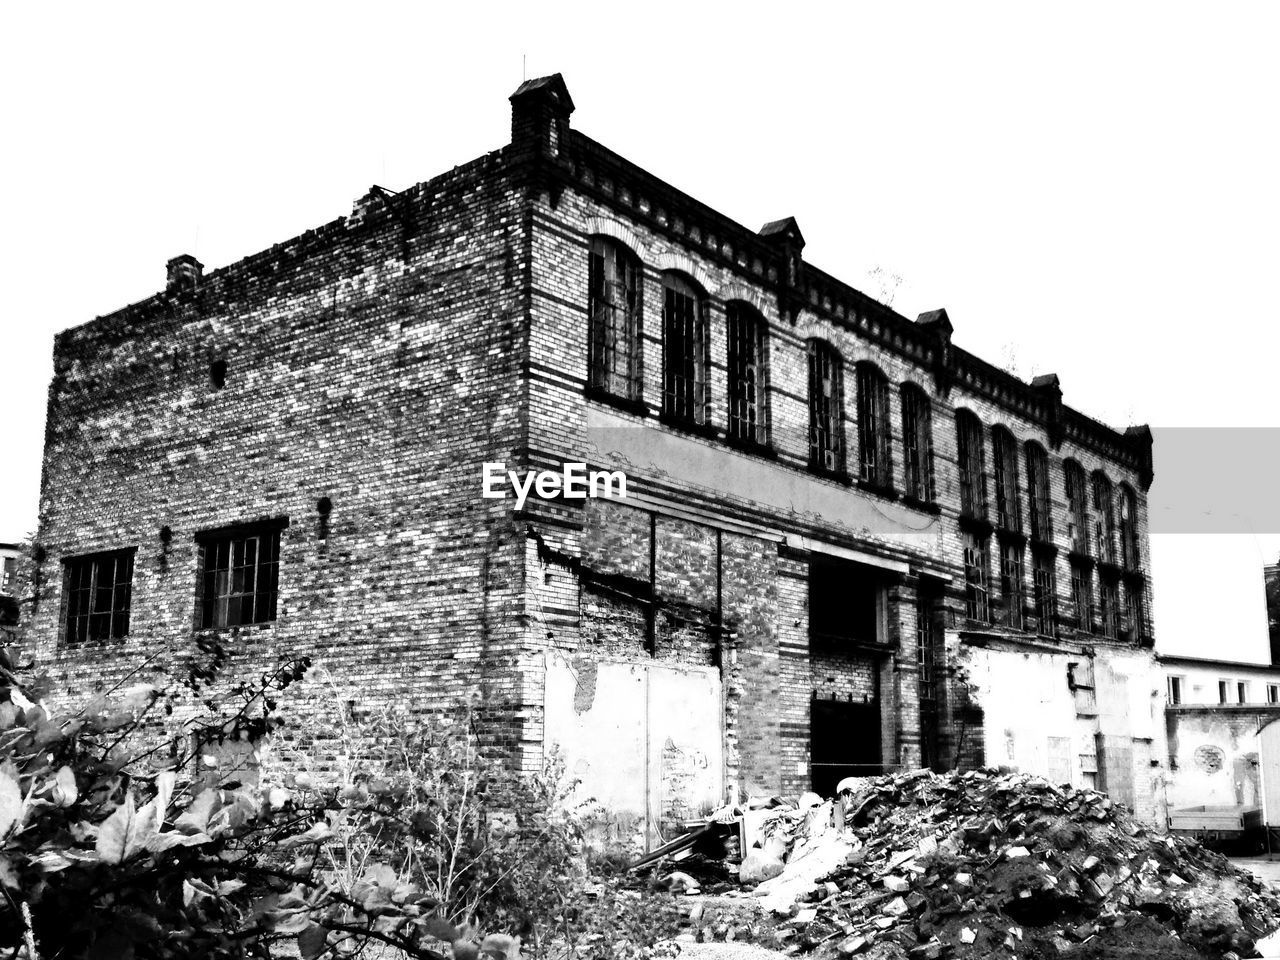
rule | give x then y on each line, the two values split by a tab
747	390
977	566
1104	524
1242	692
8	575
1175	690
239	575
874	439
685	389
846	604
1012	591
826	403
1223	687
928	675
1129	554
1273	693
1008	498
1038	494
98	591
1045	590
917	442
972	463
1077	507
1109	606
1082	596
614	315
1135	611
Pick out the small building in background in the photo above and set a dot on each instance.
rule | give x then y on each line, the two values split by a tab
9	554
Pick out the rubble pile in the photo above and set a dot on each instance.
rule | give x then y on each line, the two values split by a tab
985	864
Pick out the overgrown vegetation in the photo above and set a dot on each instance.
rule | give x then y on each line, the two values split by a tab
121	842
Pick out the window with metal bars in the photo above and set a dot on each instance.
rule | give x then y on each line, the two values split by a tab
977	567
1004	450
99	592
1044	592
1082	595
1129	555
826	403
1012	588
875	441
613	307
1104	519
1135	608
685	352
748	373
239	576
972	462
917	442
1038	498
1077	507
1109	604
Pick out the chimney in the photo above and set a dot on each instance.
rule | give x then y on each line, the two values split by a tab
540	112
184	273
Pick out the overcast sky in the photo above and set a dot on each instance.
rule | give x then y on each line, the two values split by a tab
1092	191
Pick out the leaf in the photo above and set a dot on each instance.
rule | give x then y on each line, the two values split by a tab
500	946
440	928
312	942
123	833
167	841
196	817
65	791
10	801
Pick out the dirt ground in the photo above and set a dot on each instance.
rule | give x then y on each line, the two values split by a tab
726	951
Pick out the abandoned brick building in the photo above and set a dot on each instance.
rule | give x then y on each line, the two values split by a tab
847	545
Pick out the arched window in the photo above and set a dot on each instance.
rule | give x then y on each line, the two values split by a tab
875	442
1104	519
1004	451
686	388
917	442
972	463
748	373
1130	556
826	403
1038	497
1077	507
614	316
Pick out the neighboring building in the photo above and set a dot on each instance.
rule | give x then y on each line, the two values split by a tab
9	554
847	545
1271	578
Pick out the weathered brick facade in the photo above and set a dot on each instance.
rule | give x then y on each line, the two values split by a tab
380	360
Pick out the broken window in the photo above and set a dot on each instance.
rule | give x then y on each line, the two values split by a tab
1077	507
685	352
614	315
1082	595
748	336
1012	591
1175	690
1005	462
917	442
1044	587
972	462
977	566
1109	604
1129	555
98	591
846	604
1038	498
929	661
875	461
239	575
826	403
1104	519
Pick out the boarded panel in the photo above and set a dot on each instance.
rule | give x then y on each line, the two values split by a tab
1115	767
643	739
1059	760
1269	761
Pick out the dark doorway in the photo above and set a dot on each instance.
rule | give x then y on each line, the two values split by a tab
844	741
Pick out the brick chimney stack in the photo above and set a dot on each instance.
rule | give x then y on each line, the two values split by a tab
540	112
184	272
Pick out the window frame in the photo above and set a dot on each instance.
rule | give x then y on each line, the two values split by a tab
1082	602
686	372
1076	484
1130	549
971	463
748	376
875	432
1109	605
826	410
1004	468
604	376
1044	591
977	576
917	443
119	612
213	605
1039	492
1173	689
1104	522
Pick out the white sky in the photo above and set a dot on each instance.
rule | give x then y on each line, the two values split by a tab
1089	189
